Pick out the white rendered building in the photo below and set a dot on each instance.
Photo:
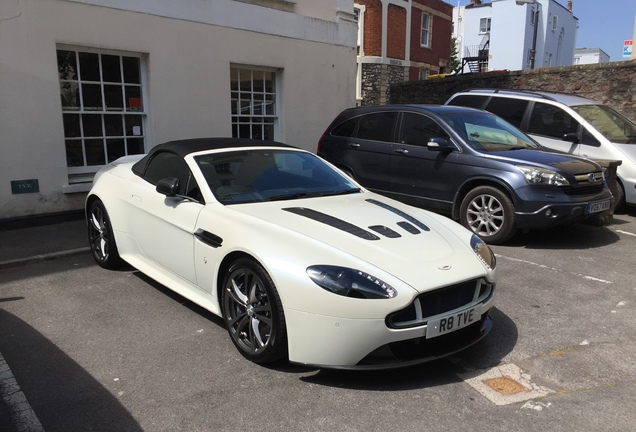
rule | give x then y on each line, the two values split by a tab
514	34
83	82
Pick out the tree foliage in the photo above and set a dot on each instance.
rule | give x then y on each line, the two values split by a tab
455	63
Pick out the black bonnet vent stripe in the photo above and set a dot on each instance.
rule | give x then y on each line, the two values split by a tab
385	231
332	221
408	227
400	213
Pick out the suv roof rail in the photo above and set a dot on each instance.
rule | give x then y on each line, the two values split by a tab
514	91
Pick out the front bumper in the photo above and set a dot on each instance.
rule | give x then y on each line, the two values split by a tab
342	343
547	215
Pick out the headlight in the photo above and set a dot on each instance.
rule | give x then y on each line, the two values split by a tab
536	175
350	283
484	252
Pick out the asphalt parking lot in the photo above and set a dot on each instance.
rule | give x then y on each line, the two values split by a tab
90	349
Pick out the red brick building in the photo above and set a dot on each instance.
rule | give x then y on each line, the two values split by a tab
400	40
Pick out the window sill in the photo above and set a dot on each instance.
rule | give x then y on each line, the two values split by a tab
77	187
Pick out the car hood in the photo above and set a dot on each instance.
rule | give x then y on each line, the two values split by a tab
555	159
421	249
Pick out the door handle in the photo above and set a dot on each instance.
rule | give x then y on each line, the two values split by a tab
355	145
401	151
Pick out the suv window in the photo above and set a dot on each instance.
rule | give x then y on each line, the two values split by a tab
417	129
511	110
346	129
377	126
551	121
471	101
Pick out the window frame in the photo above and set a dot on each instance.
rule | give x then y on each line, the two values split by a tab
484	29
83	174
238	102
425	30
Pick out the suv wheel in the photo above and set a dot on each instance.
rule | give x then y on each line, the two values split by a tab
489	213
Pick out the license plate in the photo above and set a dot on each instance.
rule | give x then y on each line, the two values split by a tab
450	323
597	207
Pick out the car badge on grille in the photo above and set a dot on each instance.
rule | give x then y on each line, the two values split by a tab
591	177
445	267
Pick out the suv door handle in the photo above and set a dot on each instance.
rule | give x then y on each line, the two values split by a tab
401	151
356	145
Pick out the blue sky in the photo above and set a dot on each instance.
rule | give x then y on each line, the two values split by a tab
604	24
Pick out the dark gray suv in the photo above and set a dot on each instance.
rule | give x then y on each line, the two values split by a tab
465	163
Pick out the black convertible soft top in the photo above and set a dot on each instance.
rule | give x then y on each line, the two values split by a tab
187	146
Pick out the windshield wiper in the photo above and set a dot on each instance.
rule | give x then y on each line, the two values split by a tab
299	195
344	192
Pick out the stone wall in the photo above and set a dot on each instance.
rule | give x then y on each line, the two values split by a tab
377	81
613	84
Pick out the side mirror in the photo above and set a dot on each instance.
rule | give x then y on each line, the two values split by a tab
571	137
169	186
439	144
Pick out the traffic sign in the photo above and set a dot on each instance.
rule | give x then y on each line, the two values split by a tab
627	48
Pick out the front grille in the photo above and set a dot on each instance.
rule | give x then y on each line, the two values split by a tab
440	301
586	184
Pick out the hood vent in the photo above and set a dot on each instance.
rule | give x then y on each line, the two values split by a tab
385	231
333	222
400	213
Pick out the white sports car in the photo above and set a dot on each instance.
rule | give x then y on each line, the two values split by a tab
300	261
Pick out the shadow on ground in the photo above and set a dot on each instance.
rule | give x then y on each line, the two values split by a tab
63	395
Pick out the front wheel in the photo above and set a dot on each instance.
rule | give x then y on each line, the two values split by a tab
253	312
489	213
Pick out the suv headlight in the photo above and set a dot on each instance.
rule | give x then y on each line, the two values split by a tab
350	283
483	252
536	175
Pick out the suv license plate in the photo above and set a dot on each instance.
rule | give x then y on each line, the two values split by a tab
597	207
450	323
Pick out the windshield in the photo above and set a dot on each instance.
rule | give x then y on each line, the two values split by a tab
613	125
258	175
486	132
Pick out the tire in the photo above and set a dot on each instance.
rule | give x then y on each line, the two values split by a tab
253	312
348	172
100	237
619	196
489	213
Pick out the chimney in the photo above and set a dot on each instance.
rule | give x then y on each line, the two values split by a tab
570	5
475	2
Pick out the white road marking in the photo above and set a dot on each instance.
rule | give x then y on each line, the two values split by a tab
22	415
626	232
592	278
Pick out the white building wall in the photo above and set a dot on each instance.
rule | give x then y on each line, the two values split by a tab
511	36
187	77
471	18
590	56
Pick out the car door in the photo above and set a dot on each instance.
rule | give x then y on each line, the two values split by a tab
421	176
163	226
368	150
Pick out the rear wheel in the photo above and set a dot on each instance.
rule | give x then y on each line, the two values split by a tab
253	312
489	213
100	237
